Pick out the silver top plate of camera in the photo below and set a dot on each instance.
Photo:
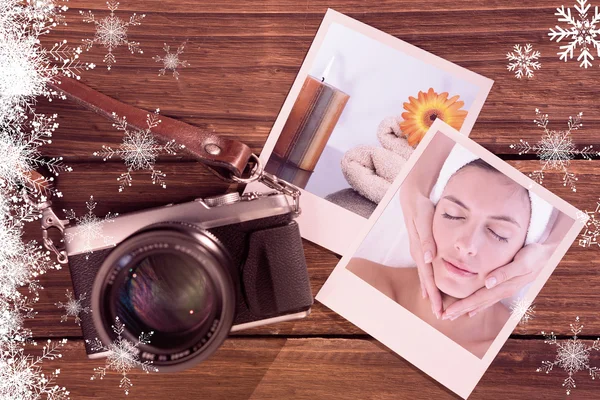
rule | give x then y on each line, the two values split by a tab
207	213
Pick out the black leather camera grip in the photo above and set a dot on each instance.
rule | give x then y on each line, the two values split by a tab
83	273
276	261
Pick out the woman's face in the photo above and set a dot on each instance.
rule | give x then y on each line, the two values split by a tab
479	224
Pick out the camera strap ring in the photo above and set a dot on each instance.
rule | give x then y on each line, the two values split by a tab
258	173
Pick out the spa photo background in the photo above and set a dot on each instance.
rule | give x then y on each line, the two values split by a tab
387	242
378	79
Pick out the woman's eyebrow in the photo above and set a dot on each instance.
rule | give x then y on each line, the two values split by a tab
496	217
506	218
457	201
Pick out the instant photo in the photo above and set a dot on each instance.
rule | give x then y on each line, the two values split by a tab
483	213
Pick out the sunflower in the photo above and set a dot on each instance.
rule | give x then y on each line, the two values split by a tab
426	109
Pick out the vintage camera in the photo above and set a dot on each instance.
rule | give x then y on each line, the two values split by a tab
190	273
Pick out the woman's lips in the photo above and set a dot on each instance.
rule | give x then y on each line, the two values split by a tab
453	269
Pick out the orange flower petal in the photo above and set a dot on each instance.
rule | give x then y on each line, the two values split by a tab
416	122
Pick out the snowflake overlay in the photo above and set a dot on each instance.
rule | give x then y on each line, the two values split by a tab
522	311
139	150
19	154
123	356
171	61
28	69
21	375
589	236
90	226
573	356
556	149
582	32
523	61
73	307
111	32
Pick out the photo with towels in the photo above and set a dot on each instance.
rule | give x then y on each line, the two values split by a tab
358	108
457	226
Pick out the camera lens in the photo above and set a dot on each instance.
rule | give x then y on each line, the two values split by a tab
174	280
169	293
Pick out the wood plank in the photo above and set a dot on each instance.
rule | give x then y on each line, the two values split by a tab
242	68
272	368
558	302
292	6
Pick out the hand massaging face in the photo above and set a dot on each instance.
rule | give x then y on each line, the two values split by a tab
482	219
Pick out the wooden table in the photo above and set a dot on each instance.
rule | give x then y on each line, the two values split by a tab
244	56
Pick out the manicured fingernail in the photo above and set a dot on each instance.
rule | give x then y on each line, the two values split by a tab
472	313
423	292
454	317
427	257
490	282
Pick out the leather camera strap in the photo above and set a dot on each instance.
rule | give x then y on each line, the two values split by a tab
213	150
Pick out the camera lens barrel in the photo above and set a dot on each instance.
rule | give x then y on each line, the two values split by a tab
172	279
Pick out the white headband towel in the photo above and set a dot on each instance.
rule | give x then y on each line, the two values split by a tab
541	210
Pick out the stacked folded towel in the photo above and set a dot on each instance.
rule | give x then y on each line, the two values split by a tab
371	170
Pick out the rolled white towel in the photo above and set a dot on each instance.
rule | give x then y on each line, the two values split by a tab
371	170
390	136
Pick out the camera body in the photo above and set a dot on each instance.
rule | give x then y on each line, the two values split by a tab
191	273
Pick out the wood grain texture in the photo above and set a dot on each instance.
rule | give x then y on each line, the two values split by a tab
241	69
244	57
317	368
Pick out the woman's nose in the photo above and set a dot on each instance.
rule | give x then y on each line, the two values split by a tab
465	243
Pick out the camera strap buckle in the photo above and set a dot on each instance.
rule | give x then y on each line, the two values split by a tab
282	186
259	174
51	220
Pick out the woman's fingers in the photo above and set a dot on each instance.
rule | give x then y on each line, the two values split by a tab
425	271
415	255
505	273
467	304
435	297
423	226
504	281
418	217
530	257
479	309
423	289
483	297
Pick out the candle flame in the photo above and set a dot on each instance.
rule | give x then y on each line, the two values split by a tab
327	69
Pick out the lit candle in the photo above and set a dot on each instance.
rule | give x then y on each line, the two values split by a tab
310	123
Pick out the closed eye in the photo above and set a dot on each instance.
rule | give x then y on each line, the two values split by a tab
498	237
448	216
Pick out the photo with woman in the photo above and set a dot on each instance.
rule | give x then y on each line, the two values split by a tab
459	243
